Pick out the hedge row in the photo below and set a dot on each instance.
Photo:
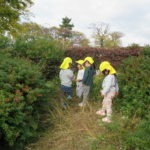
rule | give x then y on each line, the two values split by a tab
23	94
115	55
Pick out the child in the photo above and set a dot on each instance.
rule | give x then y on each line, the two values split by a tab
66	76
109	91
79	88
87	79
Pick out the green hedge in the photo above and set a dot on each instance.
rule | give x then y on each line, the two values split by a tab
46	53
134	85
22	95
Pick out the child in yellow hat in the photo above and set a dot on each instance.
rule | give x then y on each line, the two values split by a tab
79	88
66	76
109	91
87	79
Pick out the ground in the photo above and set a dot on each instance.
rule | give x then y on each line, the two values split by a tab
78	129
74	129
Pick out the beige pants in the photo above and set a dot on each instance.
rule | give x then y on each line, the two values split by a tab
107	103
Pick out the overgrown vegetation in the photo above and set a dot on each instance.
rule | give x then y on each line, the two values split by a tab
22	97
29	99
47	54
25	91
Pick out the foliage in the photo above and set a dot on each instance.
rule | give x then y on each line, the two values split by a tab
10	12
66	28
114	55
134	87
133	45
32	31
79	39
103	37
48	54
66	23
146	51
22	97
5	42
123	134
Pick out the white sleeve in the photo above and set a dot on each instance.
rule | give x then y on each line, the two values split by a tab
71	75
107	86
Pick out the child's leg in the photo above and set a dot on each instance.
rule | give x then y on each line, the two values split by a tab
102	111
86	91
109	99
67	95
79	91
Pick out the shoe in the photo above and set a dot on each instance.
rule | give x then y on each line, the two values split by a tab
82	104
100	112
106	119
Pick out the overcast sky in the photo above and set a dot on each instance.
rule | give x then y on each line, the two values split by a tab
131	17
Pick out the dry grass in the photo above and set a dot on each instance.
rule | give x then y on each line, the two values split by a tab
74	129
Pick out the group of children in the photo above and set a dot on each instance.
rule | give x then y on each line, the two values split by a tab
84	82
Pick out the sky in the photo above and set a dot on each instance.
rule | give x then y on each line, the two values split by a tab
131	17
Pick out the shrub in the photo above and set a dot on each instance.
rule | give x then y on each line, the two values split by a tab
133	46
134	84
114	55
126	134
22	94
146	51
4	42
48	54
138	139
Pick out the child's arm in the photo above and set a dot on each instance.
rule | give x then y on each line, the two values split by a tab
71	75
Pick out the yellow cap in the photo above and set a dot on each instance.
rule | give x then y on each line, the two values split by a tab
106	65
89	59
65	63
80	62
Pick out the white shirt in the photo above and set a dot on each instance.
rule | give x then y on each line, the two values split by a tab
109	84
66	76
80	76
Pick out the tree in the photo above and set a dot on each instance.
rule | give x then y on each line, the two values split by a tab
115	39
66	23
66	28
30	30
10	12
104	38
100	33
79	39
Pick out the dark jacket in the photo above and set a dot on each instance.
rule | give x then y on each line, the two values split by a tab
88	76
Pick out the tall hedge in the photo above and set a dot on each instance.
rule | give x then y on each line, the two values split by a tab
22	95
114	55
46	53
134	73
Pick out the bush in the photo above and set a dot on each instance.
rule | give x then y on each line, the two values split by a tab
4	42
113	55
48	54
138	139
134	85
22	94
146	51
126	134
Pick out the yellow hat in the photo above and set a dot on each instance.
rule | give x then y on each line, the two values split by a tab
80	62
89	59
65	63
106	65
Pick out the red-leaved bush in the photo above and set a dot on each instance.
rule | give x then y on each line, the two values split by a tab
113	55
